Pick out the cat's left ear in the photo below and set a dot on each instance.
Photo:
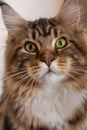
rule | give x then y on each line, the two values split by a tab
11	18
69	13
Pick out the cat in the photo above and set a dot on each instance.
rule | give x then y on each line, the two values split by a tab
45	79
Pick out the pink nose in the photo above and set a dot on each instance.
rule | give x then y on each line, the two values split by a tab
47	60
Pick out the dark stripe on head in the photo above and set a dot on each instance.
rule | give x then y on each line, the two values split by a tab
43	27
44	30
53	22
49	30
34	35
38	30
55	32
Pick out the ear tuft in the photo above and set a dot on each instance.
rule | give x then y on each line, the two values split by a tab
11	19
69	13
2	3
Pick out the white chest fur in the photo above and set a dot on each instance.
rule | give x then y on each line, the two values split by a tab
53	106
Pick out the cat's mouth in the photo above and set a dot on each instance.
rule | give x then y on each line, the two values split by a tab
51	76
49	73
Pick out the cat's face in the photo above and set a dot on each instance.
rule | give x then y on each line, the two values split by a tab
46	51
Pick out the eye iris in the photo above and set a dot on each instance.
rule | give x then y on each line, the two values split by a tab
61	43
30	47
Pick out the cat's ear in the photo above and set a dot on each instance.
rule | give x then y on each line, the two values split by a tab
11	19
69	13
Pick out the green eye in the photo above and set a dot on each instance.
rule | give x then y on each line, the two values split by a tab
30	47
61	43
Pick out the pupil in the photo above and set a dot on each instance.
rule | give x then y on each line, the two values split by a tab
30	47
60	43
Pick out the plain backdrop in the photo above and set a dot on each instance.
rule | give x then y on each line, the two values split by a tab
30	10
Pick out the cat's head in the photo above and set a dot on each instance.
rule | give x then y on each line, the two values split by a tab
45	51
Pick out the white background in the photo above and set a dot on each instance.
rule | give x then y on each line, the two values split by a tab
30	10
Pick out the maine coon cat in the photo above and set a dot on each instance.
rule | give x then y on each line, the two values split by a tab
45	79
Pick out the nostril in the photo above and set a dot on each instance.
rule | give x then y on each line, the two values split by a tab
47	60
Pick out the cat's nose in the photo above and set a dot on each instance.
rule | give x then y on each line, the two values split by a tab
47	60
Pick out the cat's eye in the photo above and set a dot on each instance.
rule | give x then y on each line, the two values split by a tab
61	43
30	47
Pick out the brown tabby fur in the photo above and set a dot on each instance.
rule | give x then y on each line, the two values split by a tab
37	100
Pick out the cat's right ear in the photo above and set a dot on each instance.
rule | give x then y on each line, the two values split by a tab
12	20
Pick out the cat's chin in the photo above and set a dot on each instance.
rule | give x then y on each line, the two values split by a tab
52	78
50	75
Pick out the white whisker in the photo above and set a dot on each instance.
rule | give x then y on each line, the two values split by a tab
13	75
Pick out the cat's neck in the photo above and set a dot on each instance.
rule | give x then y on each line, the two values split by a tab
52	106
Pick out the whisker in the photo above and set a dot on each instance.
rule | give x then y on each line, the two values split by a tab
22	80
70	75
11	90
13	75
18	83
76	80
79	70
34	67
75	72
20	71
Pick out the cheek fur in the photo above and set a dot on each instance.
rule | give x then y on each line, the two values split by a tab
61	65
33	69
43	70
